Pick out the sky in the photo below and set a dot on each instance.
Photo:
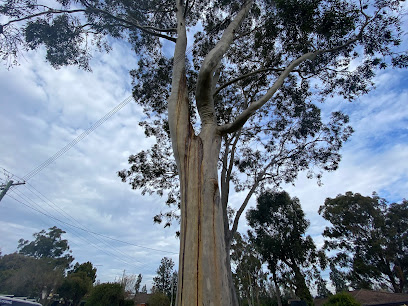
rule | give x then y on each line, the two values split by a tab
43	109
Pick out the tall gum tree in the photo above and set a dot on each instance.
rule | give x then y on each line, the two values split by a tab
239	109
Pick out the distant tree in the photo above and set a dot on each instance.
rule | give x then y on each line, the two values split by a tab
74	287
48	245
138	283
278	228
341	299
144	289
173	291
107	294
87	268
163	281
321	286
27	276
78	282
371	239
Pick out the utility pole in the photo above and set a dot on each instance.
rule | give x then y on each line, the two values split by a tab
5	188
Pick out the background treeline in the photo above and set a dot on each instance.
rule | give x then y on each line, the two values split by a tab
43	269
365	246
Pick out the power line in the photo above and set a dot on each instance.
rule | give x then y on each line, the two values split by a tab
95	233
82	238
140	266
73	230
72	143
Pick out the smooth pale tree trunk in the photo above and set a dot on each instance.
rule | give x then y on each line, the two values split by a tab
205	276
204	270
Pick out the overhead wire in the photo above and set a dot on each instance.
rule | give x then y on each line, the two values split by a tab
83	228
72	143
87	241
73	229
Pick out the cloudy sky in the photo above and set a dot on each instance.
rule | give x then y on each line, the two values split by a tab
42	110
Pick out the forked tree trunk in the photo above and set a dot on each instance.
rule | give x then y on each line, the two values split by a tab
204	264
204	272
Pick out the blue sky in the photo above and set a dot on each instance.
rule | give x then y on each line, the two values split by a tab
43	109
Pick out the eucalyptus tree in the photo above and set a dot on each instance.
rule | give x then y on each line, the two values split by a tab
48	245
237	107
277	229
371	240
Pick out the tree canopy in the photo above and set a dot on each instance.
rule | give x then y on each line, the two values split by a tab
371	240
107	294
39	265
48	245
27	276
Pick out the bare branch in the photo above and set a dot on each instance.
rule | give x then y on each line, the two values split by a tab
50	11
126	23
204	98
170	30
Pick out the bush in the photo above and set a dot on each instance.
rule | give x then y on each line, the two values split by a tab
159	299
107	294
341	299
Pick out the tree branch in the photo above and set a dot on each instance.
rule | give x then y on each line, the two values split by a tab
50	11
178	108
147	29
247	113
244	77
204	97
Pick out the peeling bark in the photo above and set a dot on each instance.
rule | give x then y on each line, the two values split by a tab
204	276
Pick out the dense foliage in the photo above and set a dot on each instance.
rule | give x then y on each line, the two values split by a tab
278	227
27	276
48	245
371	240
342	299
40	268
107	294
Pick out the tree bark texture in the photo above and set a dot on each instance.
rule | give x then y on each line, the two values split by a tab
203	267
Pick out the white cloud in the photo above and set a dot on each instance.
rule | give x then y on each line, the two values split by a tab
43	110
